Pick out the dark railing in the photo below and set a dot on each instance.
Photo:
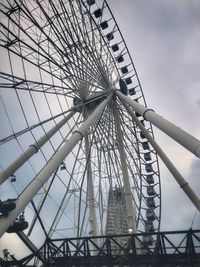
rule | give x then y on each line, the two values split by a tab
177	248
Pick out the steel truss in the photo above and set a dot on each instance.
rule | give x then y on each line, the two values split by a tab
173	248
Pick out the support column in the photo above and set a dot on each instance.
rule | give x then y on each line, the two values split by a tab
180	136
127	188
178	177
11	169
90	186
32	189
90	191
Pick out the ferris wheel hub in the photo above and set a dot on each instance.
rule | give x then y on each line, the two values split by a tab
91	101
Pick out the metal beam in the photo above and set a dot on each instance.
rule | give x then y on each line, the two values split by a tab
90	185
32	149
41	203
127	188
179	178
90	190
30	245
188	141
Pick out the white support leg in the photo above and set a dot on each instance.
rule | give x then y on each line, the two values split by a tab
179	178
90	186
11	169
180	136
33	188
127	188
90	191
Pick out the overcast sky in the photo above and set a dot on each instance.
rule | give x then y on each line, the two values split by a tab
163	38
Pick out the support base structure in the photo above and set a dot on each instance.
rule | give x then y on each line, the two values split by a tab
173	248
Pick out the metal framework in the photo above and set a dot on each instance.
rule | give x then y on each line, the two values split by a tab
68	57
180	248
77	125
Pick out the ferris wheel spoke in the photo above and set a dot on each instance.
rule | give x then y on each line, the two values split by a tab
28	129
27	51
92	43
60	35
50	71
92	52
41	203
70	191
85	32
12	82
90	198
82	47
47	188
109	152
134	153
75	57
135	179
32	149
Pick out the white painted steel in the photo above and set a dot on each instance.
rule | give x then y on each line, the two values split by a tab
178	177
32	189
11	169
90	191
179	135
127	188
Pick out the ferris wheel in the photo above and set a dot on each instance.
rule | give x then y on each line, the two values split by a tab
78	157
